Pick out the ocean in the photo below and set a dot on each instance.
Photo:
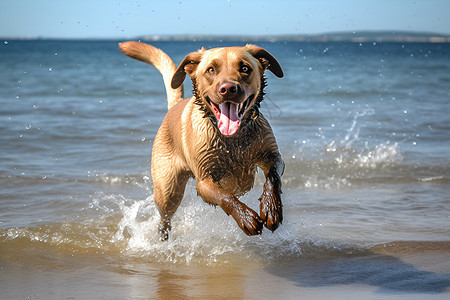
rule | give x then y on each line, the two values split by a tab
363	128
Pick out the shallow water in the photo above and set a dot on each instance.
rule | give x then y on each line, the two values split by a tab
364	132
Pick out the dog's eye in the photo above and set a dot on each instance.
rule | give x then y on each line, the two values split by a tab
245	69
210	70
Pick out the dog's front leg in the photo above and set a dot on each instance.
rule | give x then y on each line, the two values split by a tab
247	219
271	208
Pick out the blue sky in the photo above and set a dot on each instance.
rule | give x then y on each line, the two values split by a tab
121	19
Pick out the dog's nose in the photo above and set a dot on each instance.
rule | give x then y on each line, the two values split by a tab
228	89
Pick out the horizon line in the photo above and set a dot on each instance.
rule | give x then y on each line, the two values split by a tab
337	36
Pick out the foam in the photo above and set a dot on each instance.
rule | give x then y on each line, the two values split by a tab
206	235
340	162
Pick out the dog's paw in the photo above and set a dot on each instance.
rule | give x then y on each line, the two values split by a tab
164	228
271	208
248	220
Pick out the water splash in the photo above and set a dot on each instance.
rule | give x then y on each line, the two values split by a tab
341	161
202	234
353	131
369	157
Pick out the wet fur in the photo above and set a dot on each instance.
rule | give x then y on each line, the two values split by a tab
189	143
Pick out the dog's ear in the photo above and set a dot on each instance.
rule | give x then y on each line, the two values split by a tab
187	66
266	59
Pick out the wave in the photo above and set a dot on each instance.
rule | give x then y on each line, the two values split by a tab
120	228
339	163
116	226
124	229
338	167
139	180
348	160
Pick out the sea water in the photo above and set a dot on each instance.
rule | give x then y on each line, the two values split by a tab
362	127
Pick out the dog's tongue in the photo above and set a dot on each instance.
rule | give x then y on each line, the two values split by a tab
227	119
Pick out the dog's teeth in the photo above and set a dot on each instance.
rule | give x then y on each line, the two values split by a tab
241	108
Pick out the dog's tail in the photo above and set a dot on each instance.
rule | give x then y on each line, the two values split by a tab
161	61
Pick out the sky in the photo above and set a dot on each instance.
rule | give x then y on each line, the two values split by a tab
120	19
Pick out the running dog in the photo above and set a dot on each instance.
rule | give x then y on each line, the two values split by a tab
218	136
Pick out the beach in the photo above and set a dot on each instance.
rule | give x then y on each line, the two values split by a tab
363	128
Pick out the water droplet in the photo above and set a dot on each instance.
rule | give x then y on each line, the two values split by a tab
28	126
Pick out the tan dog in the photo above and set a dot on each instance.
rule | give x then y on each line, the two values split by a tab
217	136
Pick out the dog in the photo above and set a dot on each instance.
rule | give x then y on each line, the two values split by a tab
218	136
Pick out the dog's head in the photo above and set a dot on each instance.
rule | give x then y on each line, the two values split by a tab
228	81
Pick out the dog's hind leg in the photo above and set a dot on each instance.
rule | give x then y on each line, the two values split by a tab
168	193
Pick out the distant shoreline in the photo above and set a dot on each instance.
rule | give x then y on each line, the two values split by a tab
355	37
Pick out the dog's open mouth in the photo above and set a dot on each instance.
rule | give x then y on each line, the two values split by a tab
229	115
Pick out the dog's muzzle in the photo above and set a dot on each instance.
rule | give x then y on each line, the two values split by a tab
229	115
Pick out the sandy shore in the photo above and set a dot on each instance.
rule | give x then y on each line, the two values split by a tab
396	270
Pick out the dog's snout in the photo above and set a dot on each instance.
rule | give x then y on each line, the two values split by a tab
228	89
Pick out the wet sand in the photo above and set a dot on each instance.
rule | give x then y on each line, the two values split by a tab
396	270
